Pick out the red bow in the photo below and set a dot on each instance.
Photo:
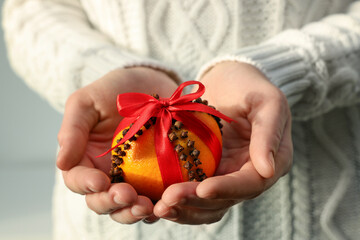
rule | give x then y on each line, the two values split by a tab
138	108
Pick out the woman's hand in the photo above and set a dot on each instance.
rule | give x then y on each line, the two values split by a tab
89	122
257	147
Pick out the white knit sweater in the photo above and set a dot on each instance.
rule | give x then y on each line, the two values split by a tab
310	49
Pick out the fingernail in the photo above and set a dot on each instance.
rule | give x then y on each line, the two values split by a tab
92	190
118	201
172	213
151	219
182	201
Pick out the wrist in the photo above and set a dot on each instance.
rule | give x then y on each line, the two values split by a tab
231	70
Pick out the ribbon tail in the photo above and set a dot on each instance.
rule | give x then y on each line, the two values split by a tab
138	123
167	157
123	124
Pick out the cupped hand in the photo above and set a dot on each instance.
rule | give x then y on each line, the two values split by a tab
257	147
90	119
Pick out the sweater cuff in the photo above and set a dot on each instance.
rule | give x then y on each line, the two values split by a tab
100	61
288	68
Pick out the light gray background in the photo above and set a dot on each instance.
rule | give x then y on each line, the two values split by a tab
28	130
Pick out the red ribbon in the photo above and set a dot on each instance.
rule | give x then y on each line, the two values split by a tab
138	108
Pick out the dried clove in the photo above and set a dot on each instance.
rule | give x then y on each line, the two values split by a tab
198	100
147	125
190	144
178	125
133	138
199	171
183	157
121	153
125	131
197	162
195	153
117	179
117	171
153	120
178	148
172	136
155	95
188	165
217	119
118	160
202	177
191	174
184	134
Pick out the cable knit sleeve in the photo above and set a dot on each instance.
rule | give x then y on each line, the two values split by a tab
317	67
53	47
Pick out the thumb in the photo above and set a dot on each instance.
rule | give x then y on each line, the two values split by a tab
79	118
268	126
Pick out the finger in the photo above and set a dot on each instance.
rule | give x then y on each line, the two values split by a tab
79	118
268	124
184	195
241	185
208	204
186	215
141	209
83	179
177	193
120	195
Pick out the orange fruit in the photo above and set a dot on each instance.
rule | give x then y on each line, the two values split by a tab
135	161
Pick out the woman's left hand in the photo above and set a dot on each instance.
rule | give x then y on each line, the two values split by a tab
257	147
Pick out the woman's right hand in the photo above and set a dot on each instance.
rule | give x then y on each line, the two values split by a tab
90	119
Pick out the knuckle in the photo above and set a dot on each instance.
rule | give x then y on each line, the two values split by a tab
280	100
72	98
279	96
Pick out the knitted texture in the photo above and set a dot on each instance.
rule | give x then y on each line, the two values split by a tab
309	49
